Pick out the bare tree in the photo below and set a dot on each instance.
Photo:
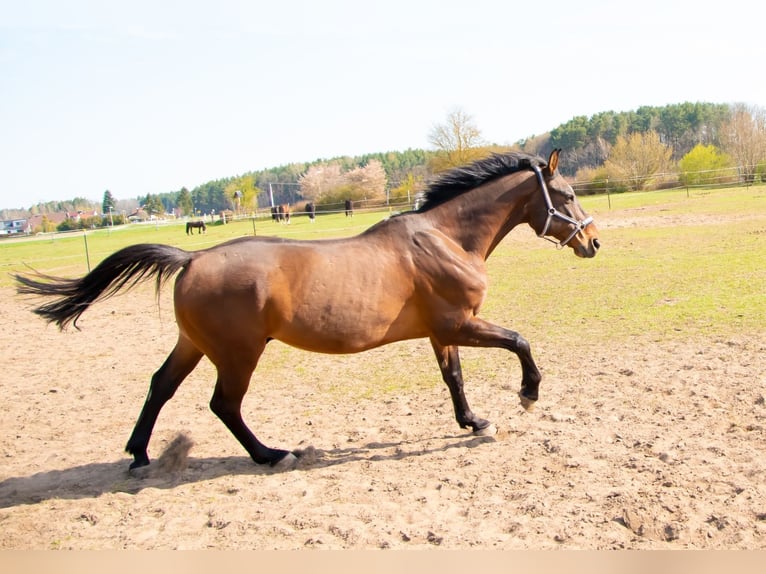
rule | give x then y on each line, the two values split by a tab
637	159
456	140
743	137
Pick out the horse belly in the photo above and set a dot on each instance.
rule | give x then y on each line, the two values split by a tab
350	318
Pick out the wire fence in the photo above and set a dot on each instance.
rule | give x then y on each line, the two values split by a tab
711	178
71	252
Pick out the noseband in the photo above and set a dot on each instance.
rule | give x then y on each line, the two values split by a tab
553	212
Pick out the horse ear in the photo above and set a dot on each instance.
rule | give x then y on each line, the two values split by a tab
553	162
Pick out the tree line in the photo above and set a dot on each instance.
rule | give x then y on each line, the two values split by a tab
687	144
322	181
621	150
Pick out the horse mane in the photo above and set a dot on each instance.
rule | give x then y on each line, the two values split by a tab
461	179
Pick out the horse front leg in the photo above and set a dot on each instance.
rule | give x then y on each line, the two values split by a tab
479	333
449	364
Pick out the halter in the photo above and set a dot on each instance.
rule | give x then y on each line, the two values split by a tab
553	212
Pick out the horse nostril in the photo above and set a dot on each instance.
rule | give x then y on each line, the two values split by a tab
596	244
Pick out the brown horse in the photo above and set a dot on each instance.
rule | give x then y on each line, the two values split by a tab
418	274
281	213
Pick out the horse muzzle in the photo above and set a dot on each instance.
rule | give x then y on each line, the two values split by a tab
587	248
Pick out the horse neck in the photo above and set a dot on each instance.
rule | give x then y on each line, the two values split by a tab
480	218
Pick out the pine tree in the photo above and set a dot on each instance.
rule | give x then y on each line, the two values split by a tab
108	202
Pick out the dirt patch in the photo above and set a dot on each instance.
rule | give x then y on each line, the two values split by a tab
635	445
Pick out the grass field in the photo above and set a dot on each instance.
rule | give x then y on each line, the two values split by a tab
672	264
65	253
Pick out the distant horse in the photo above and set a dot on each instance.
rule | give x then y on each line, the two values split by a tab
311	209
418	274
281	213
192	225
349	205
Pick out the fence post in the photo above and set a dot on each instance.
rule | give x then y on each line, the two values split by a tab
608	195
87	254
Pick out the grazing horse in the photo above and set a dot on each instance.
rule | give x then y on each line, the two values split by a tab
192	225
417	274
311	209
349	206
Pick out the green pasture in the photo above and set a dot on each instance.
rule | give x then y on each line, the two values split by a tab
673	264
682	201
71	254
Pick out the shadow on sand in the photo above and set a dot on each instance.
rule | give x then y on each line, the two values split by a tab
93	480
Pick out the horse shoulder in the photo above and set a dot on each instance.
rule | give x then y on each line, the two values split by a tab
447	269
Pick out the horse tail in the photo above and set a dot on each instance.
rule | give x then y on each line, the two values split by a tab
123	269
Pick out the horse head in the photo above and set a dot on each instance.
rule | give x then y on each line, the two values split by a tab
556	212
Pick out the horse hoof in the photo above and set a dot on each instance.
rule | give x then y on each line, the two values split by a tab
528	404
141	472
286	463
490	430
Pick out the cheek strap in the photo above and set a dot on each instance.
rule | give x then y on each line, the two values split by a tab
553	212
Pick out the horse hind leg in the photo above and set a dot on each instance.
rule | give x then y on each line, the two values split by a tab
165	382
226	403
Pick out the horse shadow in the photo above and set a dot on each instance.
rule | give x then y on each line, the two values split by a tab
95	479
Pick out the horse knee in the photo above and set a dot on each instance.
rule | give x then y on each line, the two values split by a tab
521	345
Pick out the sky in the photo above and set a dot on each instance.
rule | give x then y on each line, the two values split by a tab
150	96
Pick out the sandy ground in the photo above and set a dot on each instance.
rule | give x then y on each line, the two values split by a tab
633	445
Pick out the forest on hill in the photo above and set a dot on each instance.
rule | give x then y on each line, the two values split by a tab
680	126
706	136
585	141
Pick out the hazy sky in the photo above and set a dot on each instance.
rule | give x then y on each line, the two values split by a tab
148	96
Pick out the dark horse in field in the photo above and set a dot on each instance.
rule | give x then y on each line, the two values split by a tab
192	225
348	205
418	274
